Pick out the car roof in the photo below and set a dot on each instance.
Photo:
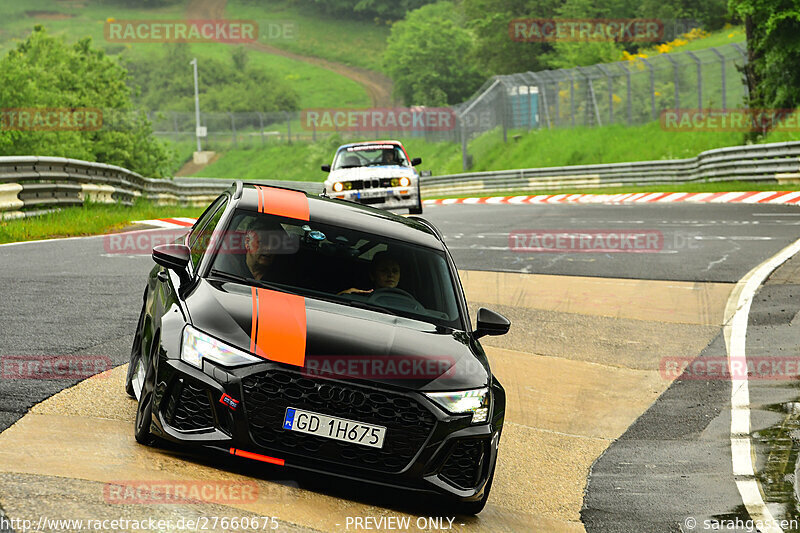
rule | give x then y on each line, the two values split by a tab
362	143
298	204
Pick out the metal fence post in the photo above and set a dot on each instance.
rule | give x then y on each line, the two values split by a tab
543	94
233	129
288	128
652	87
699	79
572	97
722	64
610	82
744	57
676	81
629	93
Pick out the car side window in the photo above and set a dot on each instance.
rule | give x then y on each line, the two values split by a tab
203	237
204	218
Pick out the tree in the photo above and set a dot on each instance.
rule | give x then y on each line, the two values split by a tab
430	57
45	72
495	51
164	82
773	49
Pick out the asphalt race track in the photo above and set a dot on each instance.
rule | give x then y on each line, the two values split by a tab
601	436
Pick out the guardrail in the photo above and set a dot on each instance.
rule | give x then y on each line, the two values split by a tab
779	162
34	184
37	184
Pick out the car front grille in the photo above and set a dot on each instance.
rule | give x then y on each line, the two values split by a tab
464	464
268	394
189	407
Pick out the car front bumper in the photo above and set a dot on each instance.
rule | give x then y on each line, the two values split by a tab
436	452
384	197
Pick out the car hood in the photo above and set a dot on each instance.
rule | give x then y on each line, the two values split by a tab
363	173
344	342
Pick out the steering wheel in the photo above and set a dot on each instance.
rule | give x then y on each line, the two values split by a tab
393	294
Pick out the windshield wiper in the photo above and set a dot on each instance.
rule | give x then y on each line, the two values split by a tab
247	281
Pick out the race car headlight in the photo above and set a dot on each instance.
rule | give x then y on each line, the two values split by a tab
475	401
395	182
198	346
338	187
405	182
347	185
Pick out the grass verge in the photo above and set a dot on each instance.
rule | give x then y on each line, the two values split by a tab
90	219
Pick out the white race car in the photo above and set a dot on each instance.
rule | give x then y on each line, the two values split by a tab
378	173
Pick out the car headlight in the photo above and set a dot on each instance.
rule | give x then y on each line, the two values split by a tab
338	187
405	182
347	185
198	346
395	182
475	401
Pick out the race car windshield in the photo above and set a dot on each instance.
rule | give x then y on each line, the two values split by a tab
369	155
338	264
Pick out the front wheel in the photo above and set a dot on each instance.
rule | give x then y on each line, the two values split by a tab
144	412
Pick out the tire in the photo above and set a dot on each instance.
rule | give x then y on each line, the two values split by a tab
144	412
136	356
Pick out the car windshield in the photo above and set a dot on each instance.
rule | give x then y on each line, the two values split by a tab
337	264
369	155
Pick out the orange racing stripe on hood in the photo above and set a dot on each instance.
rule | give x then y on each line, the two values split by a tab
282	202
279	326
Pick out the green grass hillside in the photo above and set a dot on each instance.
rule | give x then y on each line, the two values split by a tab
316	86
538	148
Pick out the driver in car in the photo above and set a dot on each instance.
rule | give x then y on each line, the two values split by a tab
389	157
384	273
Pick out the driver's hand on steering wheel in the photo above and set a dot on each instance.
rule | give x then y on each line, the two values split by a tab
353	290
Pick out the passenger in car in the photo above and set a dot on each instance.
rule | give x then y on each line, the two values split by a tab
384	272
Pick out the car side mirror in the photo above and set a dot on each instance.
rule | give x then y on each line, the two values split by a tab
174	257
326	168
416	161
491	323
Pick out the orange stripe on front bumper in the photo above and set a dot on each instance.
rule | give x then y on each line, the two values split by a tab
257	457
279	326
282	202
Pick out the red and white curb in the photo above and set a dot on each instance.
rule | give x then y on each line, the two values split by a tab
168	223
752	197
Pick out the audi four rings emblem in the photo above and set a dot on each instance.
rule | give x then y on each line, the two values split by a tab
337	394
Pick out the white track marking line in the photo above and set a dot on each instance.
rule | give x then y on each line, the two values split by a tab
737	312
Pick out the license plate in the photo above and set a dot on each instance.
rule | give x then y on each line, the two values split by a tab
371	194
334	427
